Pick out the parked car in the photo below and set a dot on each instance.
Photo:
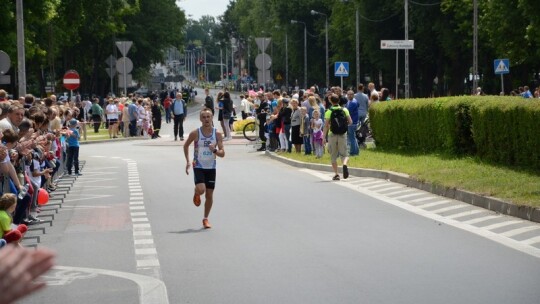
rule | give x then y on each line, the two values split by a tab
142	91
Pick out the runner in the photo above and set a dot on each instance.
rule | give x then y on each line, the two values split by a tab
208	144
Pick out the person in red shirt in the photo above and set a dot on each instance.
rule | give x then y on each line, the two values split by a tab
167	106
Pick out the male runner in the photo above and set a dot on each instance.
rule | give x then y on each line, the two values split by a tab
208	144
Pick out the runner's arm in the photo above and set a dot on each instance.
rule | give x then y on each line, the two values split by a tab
188	142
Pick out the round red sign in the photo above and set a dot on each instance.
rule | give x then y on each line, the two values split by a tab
71	80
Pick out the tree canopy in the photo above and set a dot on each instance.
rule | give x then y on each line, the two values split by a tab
71	34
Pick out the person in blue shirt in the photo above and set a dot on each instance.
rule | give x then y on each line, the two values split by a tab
352	106
73	147
179	109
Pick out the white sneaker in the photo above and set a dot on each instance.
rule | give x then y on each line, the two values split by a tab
225	139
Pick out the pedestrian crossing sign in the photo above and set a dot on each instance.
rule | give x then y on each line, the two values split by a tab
501	66
341	69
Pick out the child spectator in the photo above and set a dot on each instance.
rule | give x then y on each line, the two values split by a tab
73	148
316	125
304	130
8	202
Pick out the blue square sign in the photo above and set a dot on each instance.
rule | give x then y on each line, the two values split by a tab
341	69
501	66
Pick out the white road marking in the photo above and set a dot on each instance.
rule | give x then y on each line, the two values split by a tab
136	207
134	214
422	199
500	225
144	241
415	192
148	263
151	290
384	187
437	203
142	233
139	219
532	240
508	242
146	251
400	191
517	231
482	219
465	213
448	208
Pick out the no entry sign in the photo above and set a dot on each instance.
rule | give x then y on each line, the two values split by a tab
71	80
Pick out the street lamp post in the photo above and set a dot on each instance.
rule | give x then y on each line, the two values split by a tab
305	50
286	58
313	12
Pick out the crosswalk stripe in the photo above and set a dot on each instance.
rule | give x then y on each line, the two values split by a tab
532	240
517	231
418	200
385	187
500	225
448	208
428	205
481	219
465	213
374	183
398	191
409	195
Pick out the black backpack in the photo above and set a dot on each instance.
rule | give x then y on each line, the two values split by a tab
338	121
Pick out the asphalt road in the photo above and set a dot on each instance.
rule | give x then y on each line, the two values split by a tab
128	233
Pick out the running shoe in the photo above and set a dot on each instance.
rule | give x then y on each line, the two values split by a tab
206	224
197	199
336	177
345	172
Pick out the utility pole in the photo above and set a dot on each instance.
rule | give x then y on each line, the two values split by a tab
21	57
475	46
407	84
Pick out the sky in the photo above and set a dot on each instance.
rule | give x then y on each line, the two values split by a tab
198	8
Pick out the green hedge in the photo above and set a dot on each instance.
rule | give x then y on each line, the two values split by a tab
499	129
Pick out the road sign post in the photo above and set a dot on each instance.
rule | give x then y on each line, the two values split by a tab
71	81
398	45
501	67
341	69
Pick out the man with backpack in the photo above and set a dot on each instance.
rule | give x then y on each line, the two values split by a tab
337	121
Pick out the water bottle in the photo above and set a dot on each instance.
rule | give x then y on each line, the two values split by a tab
23	191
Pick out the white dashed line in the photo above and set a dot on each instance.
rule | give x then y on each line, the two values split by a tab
145	250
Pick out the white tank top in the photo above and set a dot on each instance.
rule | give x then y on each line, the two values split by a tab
204	158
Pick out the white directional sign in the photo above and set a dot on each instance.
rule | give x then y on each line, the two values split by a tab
501	66
341	69
397	44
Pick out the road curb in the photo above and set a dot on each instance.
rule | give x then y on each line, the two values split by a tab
490	203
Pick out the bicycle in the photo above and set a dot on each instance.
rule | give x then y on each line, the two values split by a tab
251	132
251	129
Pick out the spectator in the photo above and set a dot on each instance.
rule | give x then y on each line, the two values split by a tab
14	118
316	126
179	110
209	101
156	118
73	148
363	103
112	118
352	107
296	139
337	143
305	130
227	114
97	113
8	202
19	269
